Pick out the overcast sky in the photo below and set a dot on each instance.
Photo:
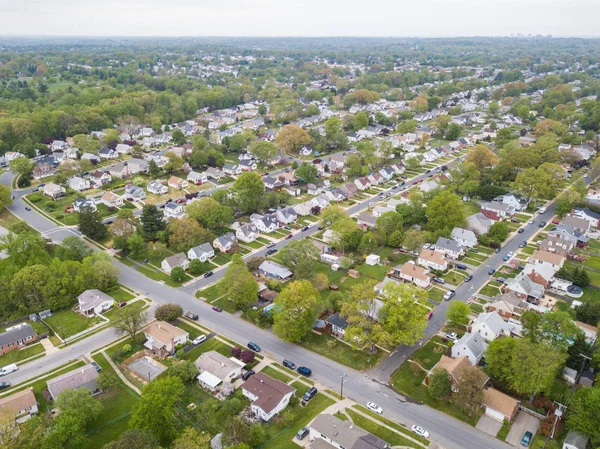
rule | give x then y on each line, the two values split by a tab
299	17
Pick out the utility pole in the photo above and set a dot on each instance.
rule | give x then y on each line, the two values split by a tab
343	381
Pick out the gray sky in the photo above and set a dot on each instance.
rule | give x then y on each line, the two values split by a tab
299	17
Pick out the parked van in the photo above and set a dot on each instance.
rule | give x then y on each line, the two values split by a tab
8	369
304	371
461	266
311	393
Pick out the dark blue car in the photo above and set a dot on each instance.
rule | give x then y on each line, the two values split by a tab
253	346
304	371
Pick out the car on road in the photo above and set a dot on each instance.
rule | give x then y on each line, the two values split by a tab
270	245
302	433
439	280
192	316
8	369
526	439
429	315
253	346
289	364
510	254
452	336
304	228
217	309
208	274
420	431
427	171
505	258
497	250
374	408
311	225
542	224
271	251
469	278
492	271
522	244
96	366
415	183
248	374
289	236
449	295
521	230
541	210
304	371
4	385
27	208
199	339
531	222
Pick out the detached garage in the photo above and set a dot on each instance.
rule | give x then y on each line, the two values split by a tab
499	406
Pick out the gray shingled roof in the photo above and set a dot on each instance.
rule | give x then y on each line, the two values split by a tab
16	334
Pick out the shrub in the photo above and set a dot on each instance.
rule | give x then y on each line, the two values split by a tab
184	369
180	353
126	348
236	352
178	274
196	267
168	312
247	356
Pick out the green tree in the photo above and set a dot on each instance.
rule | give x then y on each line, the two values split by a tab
264	151
482	157
152	221
168	312
129	321
178	137
73	248
186	233
388	223
295	310
360	120
445	211
469	396
185	370
584	413
307	173
499	231
249	189
91	225
458	313
209	213
21	166
453	132
439	384
174	163
155	409
5	197
191	438
401	315
413	240
291	138
154	170
134	438
178	274
493	109
300	256
239	285
136	245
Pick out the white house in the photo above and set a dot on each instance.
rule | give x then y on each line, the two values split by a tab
202	252
162	336
94	302
247	233
490	326
109	199
83	203
108	153
215	369
123	148
265	223
464	237
23	405
269	396
177	260
449	247
174	210
225	242
433	260
286	216
157	188
100	177
410	272
197	178
177	183
471	345
79	184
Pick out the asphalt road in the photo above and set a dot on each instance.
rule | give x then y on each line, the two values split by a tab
361	387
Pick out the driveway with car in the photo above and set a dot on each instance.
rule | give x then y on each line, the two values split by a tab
523	423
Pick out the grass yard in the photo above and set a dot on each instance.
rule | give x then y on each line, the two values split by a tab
528	249
503	432
470	207
341	352
377	272
211	293
10	221
477	256
137	305
255	244
225	304
378	430
221	259
390	423
158	276
21	354
471	261
67	323
192	330
275	374
213	344
489	290
436	294
120	295
429	354
591	294
454	277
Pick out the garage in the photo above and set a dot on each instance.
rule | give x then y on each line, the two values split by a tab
499	406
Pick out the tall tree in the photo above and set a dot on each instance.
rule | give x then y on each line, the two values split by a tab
5	197
469	396
458	313
291	138
300	256
296	309
445	211
264	151
209	213
186	233
129	321
134	438
482	157
249	189
307	173
402	316
191	438
584	413
239	285
439	384
91	225
152	221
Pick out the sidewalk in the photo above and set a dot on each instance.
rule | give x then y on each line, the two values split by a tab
120	374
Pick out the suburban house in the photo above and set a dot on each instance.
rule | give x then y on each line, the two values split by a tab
515	201
162	338
557	245
81	204
524	287
100	177
83	377
366	220
173	210
570	234
197	178
123	148
17	337
177	260
589	331
286	216
109	199
269	396
455	368
202	252
54	191
362	183
108	153
491	326
272	182
214	173
274	271
470	345
43	170
578	224
508	305
232	169
177	183
248	164
22	405
157	188
265	223
501	209
499	406
94	302
137	166
215	369
338	324
224	242
586	214
79	184
93	158
448	247
433	260
119	171
334	433
479	223
464	237
135	192
556	261
247	233
409	272
575	440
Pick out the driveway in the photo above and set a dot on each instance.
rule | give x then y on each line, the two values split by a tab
523	423
489	425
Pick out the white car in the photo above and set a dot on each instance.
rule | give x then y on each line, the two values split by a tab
541	210
420	431
531	222
199	339
452	336
311	225
510	254
374	408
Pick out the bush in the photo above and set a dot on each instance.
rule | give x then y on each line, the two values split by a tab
126	348
236	352
107	380
274	285
185	370
178	274
196	267
180	353
168	312
247	356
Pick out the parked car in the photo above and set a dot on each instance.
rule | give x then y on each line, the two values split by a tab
526	439
439	280
217	309
97	367
4	385
515	220
469	278
191	316
289	236
8	369
522	244
521	230
497	250
302	433
253	346
304	371
374	408
289	364
492	271
452	336
271	245
429	315
541	210
420	431
208	274
311	393
287	228
271	251
304	228
461	266
199	339
505	258
123	304
542	224
449	295
247	374
27	208
531	222
427	171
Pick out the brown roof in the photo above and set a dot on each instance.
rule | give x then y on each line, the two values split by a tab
270	391
109	196
163	331
433	256
548	257
583	325
455	367
499	401
415	271
175	180
18	401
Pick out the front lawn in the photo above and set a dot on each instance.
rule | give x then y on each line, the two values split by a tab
340	352
21	354
429	354
120	295
436	294
67	323
226	305
137	305
394	425
213	344
489	290
378	430
275	374
192	330
211	293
